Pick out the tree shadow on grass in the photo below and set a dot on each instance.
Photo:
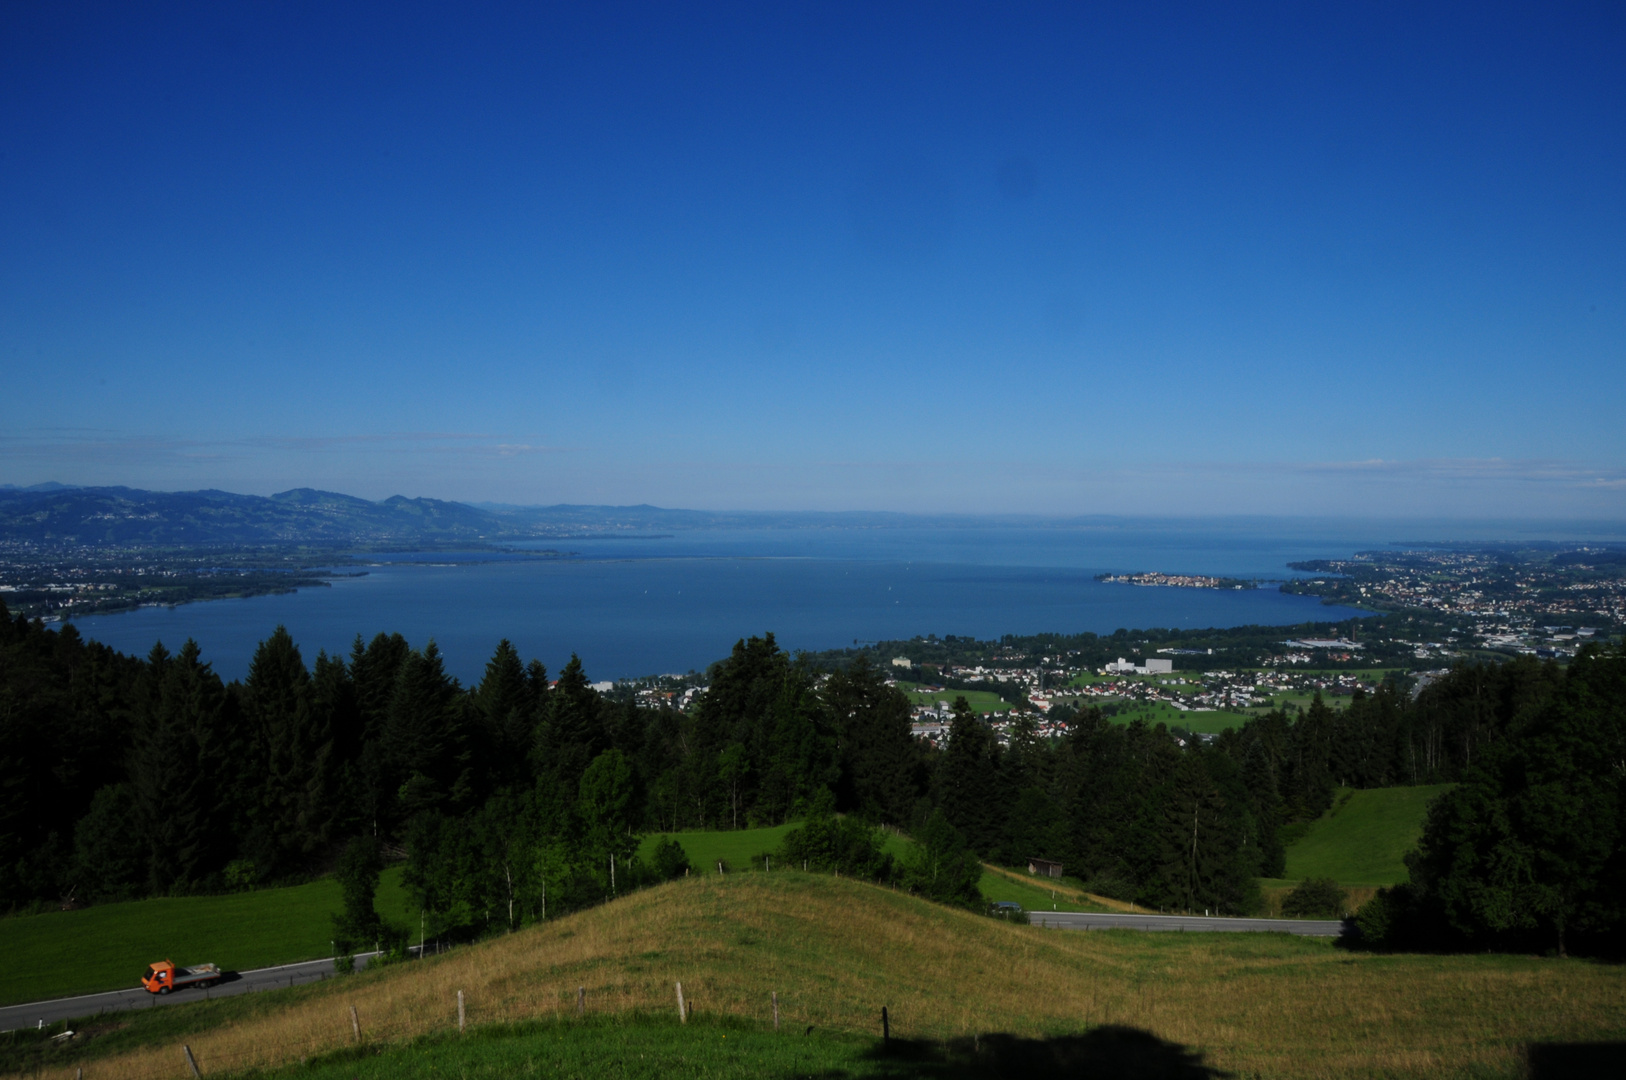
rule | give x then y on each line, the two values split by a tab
1576	1061
1103	1053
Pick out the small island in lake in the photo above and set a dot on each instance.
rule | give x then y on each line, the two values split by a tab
1178	581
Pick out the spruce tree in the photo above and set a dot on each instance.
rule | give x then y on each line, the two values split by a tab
881	771
505	704
426	740
574	733
374	670
297	786
968	782
174	769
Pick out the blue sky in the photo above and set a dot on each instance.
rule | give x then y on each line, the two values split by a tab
1057	259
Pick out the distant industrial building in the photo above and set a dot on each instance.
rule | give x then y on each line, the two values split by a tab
1324	643
1150	667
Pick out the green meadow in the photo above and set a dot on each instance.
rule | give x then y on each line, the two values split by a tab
108	946
981	701
1361	842
742	850
1161	712
967	996
1364	838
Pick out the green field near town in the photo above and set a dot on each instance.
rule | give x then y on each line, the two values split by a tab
108	946
1364	838
1161	712
981	701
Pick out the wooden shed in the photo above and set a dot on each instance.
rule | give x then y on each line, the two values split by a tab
1044	867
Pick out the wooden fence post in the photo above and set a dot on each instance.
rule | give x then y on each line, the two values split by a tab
191	1062
355	1023
683	1015
776	1010
460	1011
886	1028
581	1001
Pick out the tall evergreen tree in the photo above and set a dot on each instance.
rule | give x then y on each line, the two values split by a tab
375	668
426	739
881	769
174	768
968	785
295	799
574	732
505	704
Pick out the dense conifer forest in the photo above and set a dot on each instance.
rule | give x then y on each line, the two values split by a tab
523	797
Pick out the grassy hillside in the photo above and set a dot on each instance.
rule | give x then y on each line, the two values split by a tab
836	950
107	947
1364	838
741	850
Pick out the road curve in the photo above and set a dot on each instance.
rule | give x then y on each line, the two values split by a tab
1082	920
45	1013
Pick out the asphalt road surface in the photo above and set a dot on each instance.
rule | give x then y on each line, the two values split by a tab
13	1017
1079	920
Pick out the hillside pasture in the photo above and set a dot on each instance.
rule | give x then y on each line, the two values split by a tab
835	950
741	851
108	946
1363	839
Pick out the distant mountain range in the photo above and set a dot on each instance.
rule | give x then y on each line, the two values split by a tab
120	516
61	515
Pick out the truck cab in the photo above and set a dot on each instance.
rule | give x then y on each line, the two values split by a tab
160	977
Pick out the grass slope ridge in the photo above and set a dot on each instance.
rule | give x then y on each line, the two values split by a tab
835	950
741	850
1364	838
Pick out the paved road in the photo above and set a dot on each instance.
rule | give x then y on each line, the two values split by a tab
1078	920
232	982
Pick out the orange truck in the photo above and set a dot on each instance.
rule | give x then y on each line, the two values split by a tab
164	976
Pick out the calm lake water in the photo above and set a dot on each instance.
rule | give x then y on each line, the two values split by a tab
634	607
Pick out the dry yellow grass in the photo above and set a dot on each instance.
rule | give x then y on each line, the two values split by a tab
1273	896
836	950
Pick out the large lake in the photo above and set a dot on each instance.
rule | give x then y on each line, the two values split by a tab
634	607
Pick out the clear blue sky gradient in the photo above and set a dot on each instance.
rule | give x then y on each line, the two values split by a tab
1364	259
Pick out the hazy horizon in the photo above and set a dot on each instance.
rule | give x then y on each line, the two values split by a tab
1423	528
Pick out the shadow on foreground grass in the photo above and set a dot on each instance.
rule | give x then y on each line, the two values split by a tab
1110	1052
722	1048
